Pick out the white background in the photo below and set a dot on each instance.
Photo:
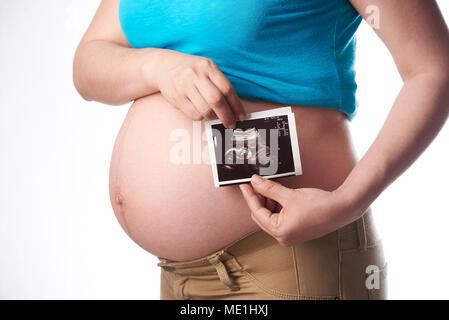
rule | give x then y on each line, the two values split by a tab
58	235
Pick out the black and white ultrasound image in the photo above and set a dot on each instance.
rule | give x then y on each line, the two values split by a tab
252	148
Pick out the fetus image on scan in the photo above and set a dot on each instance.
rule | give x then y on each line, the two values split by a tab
249	149
258	146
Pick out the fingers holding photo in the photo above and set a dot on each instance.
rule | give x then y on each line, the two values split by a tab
265	218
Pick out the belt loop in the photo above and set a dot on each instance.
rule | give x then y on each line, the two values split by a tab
222	271
361	231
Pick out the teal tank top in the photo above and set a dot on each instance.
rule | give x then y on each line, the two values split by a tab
287	51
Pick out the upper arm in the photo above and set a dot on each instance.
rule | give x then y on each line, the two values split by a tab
414	31
106	24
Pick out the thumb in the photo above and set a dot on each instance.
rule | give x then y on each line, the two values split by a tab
270	189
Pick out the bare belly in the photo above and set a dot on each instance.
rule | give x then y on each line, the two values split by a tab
173	210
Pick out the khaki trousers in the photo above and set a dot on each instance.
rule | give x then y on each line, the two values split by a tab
345	264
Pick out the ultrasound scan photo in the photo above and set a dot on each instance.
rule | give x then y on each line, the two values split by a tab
265	144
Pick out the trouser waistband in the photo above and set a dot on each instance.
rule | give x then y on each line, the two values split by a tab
221	261
356	235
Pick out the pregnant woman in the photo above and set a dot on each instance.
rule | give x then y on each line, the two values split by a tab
183	62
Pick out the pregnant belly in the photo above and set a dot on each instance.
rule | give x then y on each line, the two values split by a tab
161	184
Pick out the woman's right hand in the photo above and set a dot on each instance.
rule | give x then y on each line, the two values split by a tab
197	87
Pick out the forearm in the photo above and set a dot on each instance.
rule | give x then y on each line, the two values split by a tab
107	72
416	117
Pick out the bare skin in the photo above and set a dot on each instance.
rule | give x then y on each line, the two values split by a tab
418	38
173	211
193	84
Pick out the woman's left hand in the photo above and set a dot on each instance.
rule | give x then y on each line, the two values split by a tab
306	213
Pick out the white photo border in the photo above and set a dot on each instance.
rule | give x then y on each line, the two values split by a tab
283	111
